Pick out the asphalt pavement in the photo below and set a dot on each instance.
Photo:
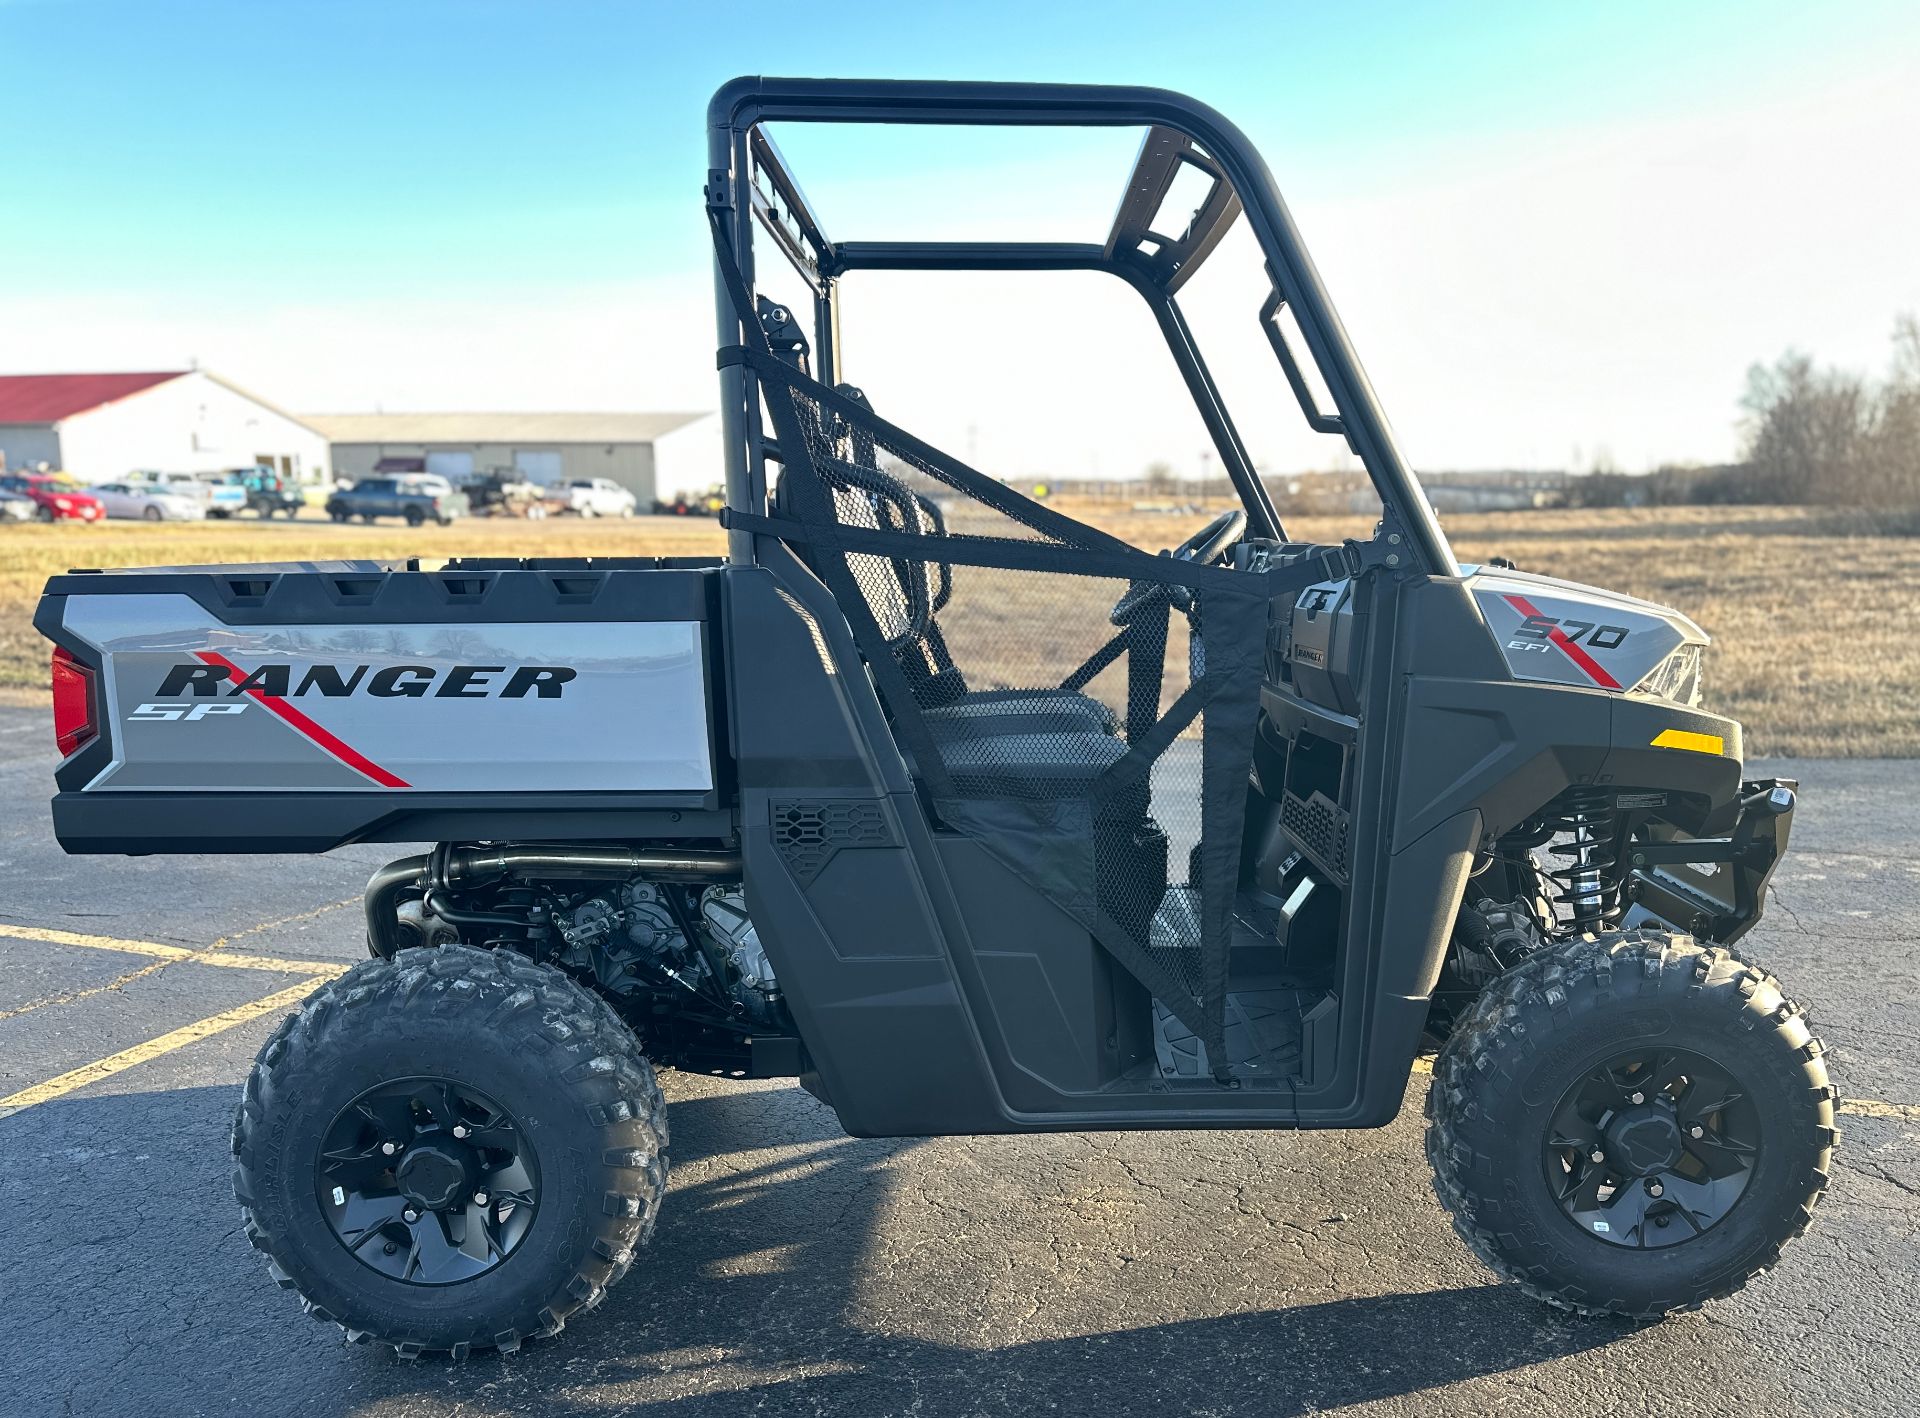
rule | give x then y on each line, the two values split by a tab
799	1271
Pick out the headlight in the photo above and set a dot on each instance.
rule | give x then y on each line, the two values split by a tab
1676	678
65	504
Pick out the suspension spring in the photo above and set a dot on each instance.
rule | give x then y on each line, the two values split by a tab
1586	885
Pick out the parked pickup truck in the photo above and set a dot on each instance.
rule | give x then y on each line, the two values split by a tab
597	497
416	499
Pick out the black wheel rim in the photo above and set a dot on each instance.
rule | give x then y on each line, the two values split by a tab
1651	1148
428	1181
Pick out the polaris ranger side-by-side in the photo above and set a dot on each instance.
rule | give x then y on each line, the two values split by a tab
971	816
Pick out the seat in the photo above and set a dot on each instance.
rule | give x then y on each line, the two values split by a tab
904	596
1027	764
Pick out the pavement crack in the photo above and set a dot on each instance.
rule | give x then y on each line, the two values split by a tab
1781	901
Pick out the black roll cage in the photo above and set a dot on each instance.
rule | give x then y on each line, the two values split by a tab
749	185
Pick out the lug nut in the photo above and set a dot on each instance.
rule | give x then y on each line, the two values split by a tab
1596	1156
459	1129
389	1148
1696	1131
1638	1098
1655	1189
410	1214
479	1198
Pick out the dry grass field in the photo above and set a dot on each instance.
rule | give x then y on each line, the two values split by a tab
1810	612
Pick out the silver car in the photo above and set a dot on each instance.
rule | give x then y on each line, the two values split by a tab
149	503
16	507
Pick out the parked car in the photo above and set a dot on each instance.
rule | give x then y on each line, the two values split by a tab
415	499
268	492
597	497
16	506
220	498
150	504
56	499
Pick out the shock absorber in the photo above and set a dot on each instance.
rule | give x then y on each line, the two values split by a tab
1586	884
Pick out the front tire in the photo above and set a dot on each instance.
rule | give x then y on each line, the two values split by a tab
1574	1146
562	1115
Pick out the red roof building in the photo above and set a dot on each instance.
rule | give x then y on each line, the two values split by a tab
103	427
49	398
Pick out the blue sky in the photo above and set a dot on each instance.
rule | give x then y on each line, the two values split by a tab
495	204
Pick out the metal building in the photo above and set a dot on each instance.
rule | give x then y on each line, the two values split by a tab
652	455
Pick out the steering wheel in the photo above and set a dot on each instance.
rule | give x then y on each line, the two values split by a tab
1202	548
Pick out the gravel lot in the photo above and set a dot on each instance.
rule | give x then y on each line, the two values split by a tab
796	1270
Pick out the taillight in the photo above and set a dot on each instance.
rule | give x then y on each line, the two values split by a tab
72	701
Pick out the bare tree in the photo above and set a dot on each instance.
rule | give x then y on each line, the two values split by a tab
1829	435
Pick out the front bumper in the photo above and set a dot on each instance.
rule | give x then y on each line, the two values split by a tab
1714	887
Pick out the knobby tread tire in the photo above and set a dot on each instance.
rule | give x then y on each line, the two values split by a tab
515	1013
1709	995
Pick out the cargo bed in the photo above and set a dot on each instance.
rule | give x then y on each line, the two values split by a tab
294	706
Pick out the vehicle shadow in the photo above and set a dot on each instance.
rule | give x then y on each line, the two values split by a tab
768	1289
765	1290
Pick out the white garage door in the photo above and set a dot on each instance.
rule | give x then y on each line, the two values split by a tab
454	467
537	467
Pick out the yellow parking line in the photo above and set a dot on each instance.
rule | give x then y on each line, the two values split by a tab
227	940
1856	1107
232	960
209	955
94	942
153	1048
1868	1108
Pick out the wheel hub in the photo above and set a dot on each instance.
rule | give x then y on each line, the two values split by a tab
427	1181
433	1174
1644	1140
1651	1147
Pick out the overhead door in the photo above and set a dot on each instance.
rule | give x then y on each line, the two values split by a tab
454	467
537	466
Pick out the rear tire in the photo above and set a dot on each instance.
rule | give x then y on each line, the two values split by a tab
415	517
1549	1027
580	1096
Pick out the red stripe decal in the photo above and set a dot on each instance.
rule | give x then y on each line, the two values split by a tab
1573	652
343	751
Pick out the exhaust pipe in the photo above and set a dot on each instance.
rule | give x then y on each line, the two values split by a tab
588	863
480	864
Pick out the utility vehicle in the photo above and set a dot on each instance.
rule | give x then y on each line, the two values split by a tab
269	492
971	816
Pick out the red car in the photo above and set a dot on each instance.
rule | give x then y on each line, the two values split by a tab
57	500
